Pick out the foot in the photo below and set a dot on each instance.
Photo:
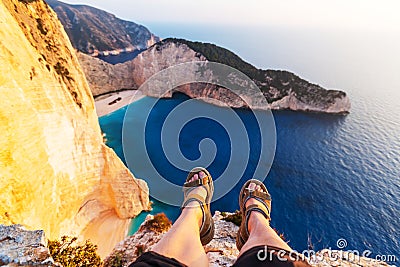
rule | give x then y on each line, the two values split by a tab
198	191
194	205
255	207
256	218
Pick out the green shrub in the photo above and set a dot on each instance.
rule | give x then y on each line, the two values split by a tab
70	254
159	224
140	249
235	218
117	260
222	55
281	235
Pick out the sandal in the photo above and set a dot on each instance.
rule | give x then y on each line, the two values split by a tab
263	207
207	225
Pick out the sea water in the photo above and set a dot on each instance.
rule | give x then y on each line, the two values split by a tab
333	177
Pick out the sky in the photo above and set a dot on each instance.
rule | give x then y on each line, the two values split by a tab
368	15
335	43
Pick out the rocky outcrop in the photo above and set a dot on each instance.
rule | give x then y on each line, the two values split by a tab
340	105
222	251
160	57
19	247
94	31
104	77
56	174
281	89
97	32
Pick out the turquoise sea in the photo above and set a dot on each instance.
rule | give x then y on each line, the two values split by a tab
333	177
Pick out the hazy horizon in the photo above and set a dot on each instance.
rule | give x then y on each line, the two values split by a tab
337	45
369	15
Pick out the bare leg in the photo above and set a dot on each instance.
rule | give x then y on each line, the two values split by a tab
261	233
182	242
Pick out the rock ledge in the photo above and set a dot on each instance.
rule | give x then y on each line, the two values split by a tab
222	250
19	247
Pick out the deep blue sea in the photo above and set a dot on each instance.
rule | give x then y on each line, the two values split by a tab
332	177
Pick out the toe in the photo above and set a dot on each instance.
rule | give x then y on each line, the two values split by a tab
194	177
202	175
252	186
199	190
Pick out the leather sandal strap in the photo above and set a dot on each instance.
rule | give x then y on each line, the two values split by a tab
205	225
257	194
194	197
187	190
260	196
256	207
246	193
198	182
203	206
206	182
262	200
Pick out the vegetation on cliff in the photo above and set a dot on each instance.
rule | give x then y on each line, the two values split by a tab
68	253
159	224
235	218
275	84
221	55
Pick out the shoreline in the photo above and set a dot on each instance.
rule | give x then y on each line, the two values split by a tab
108	103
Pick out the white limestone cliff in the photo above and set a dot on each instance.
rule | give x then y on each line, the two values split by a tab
341	105
56	174
170	53
105	77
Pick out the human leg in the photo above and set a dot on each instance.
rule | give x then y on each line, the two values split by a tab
258	243
261	233
182	244
182	241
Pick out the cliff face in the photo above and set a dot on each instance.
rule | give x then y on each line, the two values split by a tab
160	57
281	89
91	29
104	77
19	247
340	105
55	172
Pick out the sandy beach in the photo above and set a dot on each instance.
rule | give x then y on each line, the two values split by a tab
108	103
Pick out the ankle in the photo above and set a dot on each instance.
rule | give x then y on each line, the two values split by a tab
194	212
257	221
